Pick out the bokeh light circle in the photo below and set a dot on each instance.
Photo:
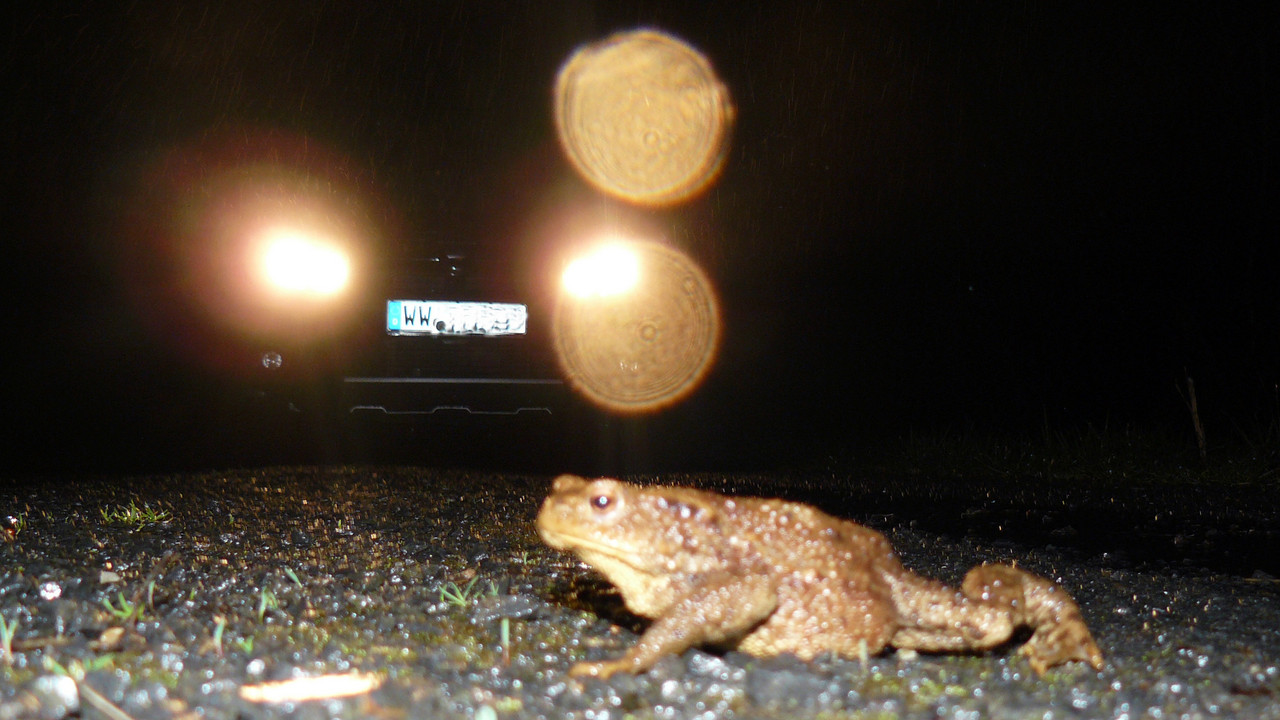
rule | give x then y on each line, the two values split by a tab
645	349
643	117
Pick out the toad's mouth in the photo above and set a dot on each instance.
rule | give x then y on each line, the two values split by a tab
569	540
589	548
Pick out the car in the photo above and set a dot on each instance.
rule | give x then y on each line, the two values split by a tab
455	349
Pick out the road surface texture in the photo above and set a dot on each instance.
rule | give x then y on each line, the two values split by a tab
415	593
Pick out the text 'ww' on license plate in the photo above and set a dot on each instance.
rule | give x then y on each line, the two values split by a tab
437	317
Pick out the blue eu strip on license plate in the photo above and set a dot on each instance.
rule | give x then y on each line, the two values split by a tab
437	317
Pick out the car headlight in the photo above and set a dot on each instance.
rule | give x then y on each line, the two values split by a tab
295	263
611	269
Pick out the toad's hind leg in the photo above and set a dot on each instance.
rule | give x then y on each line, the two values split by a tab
936	618
994	601
1059	634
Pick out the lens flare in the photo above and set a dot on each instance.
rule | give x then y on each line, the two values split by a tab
644	349
643	117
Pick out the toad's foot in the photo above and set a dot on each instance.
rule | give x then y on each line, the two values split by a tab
1059	634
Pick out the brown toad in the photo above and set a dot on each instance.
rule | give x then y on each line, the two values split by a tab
770	576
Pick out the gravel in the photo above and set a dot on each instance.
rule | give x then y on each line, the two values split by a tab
218	595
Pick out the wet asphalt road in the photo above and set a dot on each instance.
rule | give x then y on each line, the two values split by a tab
193	595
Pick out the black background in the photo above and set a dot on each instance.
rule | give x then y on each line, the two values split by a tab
993	215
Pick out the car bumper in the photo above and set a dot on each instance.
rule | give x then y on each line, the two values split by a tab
410	397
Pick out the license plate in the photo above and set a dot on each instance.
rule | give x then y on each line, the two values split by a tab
436	317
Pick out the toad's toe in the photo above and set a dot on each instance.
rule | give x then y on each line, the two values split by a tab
1066	642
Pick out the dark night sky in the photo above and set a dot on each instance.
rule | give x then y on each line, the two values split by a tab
932	213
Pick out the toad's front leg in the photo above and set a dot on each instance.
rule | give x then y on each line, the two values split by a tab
719	609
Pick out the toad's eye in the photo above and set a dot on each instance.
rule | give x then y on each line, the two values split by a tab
601	502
